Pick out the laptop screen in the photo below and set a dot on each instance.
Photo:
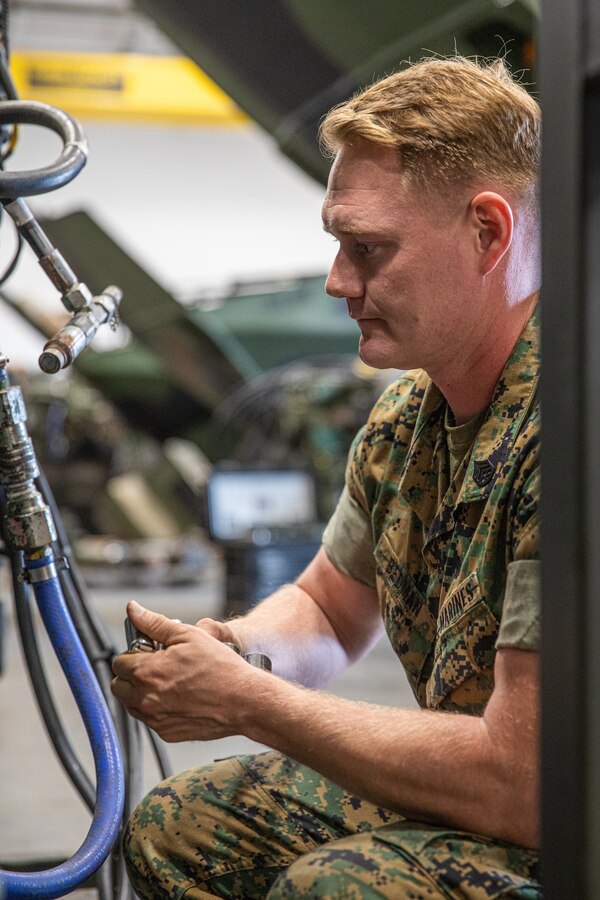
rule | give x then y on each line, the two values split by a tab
240	501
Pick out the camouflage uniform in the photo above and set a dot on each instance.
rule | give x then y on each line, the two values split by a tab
448	533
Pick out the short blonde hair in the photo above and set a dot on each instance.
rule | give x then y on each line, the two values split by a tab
452	120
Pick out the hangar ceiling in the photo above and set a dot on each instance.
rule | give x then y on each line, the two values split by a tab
85	26
287	62
284	62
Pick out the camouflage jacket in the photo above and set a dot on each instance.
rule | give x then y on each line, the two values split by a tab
455	561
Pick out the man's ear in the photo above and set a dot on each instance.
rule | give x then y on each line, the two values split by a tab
492	219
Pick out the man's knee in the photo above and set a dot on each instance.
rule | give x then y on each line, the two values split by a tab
411	861
358	866
211	829
178	836
149	845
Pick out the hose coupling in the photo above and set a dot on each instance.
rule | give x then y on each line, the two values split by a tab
61	350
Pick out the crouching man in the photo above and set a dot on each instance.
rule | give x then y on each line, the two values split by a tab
432	201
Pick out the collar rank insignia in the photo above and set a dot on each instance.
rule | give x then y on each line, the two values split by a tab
483	472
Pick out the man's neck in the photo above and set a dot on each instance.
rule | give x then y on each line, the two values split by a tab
470	387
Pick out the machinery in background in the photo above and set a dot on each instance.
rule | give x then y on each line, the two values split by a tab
318	63
34	543
266	522
269	377
287	62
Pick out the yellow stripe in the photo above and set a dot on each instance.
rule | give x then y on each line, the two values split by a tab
123	87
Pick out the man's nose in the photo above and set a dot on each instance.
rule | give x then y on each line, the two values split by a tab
343	280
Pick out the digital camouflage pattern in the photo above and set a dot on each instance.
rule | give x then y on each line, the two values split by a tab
442	546
264	826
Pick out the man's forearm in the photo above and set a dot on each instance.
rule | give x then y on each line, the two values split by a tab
315	628
428	765
475	774
295	634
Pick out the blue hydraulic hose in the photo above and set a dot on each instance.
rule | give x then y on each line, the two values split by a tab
99	725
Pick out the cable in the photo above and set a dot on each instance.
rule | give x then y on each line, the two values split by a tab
39	681
6	81
4	17
63	545
160	755
100	652
13	263
70	162
108	810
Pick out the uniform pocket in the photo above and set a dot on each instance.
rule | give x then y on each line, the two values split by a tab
462	677
485	869
408	621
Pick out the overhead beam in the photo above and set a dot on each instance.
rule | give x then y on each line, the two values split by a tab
124	87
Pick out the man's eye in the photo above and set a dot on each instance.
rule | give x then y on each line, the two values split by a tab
364	249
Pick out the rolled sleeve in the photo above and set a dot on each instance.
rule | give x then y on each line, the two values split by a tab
348	540
520	625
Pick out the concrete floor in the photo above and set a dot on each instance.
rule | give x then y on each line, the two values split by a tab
42	817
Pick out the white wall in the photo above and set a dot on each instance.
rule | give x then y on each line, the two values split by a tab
198	208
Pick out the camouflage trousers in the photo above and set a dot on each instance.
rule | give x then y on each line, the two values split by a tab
265	826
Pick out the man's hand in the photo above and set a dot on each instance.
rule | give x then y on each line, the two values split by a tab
222	631
194	688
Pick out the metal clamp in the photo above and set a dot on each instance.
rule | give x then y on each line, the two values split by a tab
258	660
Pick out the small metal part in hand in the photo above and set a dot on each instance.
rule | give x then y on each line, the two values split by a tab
259	660
137	641
142	645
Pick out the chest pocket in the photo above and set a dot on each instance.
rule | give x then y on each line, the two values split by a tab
462	676
409	624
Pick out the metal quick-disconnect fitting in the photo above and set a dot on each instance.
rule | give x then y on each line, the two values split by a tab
29	521
60	351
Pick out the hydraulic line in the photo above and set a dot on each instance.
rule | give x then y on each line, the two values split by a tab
33	531
54	727
30	532
73	574
76	633
160	755
103	739
111	880
100	651
70	162
100	657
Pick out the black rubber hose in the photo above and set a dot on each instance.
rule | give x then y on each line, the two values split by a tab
133	791
8	84
54	727
70	162
4	19
64	549
160	755
100	652
104	880
39	681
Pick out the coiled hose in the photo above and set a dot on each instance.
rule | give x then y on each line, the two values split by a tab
99	725
70	162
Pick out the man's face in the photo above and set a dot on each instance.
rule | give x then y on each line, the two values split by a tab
405	263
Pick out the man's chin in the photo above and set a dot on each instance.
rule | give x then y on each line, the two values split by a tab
373	354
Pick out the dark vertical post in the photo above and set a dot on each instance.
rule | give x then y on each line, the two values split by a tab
569	51
591	299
